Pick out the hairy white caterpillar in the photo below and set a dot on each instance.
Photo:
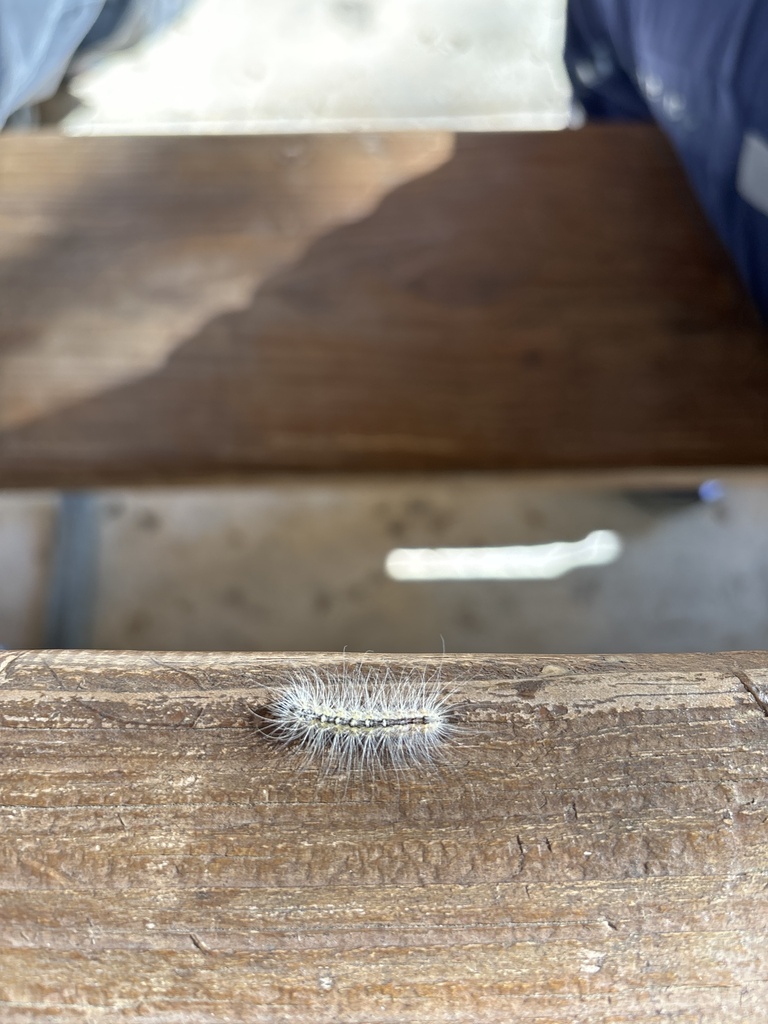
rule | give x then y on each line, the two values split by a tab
363	718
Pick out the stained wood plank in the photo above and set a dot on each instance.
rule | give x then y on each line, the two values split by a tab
202	308
594	848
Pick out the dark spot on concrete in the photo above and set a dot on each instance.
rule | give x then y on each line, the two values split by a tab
467	618
138	622
234	597
585	588
418	507
148	520
396	528
534	518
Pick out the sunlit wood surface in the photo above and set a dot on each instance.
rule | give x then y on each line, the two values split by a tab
198	308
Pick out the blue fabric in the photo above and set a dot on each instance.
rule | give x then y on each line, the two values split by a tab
39	38
107	22
123	22
700	69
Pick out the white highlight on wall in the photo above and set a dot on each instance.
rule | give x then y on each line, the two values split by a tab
752	172
517	562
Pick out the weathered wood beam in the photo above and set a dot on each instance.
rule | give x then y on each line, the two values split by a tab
594	848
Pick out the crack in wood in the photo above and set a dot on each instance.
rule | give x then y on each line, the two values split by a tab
752	689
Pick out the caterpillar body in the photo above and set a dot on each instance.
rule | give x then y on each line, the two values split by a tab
363	719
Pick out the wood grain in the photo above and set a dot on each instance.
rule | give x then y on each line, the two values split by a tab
216	308
595	847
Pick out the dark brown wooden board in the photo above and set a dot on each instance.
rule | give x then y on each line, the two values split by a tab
594	847
219	307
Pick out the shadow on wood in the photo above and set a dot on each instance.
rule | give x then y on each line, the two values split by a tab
536	301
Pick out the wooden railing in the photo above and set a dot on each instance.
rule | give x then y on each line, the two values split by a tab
592	846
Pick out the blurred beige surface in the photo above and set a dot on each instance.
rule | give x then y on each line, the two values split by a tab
300	565
27	531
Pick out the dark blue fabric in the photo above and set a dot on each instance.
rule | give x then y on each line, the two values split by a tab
700	69
112	13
